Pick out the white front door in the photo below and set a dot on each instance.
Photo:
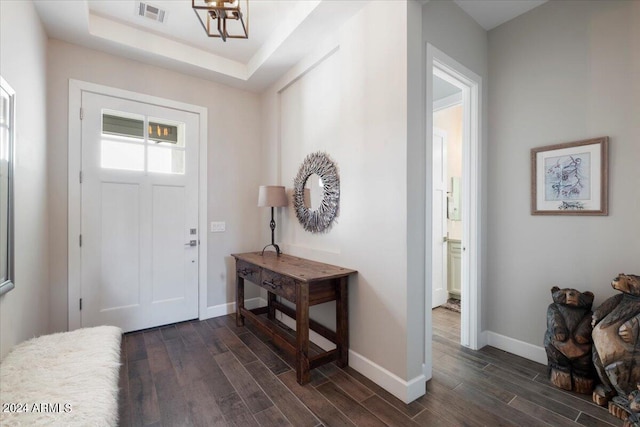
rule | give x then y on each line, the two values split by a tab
139	204
439	231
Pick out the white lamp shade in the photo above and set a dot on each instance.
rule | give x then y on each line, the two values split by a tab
272	195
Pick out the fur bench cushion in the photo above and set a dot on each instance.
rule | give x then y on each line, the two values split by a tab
68	378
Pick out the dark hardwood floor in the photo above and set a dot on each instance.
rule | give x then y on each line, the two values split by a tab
212	373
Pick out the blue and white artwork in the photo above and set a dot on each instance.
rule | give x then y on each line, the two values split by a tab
567	177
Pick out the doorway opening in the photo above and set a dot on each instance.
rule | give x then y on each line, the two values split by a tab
447	175
453	95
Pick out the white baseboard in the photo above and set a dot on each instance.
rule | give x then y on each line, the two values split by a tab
517	347
483	339
224	309
407	391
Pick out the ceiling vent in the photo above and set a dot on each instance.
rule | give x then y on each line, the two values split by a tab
148	11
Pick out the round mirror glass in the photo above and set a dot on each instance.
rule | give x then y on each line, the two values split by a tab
313	192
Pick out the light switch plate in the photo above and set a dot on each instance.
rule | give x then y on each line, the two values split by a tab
218	226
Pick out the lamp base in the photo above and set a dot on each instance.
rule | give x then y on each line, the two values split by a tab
278	252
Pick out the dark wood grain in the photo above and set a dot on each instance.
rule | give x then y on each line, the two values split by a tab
124	402
296	268
268	357
315	401
235	411
302	333
189	334
289	404
352	386
203	411
169	333
135	346
345	403
271	417
305	283
213	343
234	344
212	373
342	323
387	413
243	382
171	399
541	413
142	393
411	410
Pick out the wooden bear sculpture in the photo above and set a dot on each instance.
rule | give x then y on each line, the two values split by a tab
633	409
568	340
616	353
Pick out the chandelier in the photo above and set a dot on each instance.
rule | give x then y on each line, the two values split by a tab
223	18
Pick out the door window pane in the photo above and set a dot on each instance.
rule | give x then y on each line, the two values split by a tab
122	126
122	155
165	133
137	143
165	160
160	133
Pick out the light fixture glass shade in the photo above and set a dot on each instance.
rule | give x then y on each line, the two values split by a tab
272	195
223	18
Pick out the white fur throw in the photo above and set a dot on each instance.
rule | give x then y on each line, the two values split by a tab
64	379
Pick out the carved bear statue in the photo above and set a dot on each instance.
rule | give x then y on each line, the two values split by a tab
568	340
616	352
633	409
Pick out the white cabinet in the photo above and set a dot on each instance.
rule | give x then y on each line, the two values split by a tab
454	267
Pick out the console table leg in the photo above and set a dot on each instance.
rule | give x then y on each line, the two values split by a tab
302	333
272	310
342	323
239	300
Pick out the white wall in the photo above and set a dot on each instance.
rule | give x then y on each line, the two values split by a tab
365	81
234	163
565	71
24	312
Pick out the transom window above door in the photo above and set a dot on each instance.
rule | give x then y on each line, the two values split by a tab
140	143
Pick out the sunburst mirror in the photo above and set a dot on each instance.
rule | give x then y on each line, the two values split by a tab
316	193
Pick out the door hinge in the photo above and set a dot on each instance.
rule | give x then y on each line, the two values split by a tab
81	240
81	114
80	303
80	177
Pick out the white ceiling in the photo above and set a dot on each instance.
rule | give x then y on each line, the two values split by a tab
281	33
491	13
443	89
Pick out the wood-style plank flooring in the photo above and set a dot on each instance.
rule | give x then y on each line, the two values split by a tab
212	373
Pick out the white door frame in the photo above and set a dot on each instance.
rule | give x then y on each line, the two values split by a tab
471	85
76	87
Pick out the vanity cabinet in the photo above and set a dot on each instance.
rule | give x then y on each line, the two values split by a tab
454	268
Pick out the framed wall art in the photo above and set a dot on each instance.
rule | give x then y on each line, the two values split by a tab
570	178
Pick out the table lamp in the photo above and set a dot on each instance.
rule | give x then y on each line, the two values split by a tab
273	196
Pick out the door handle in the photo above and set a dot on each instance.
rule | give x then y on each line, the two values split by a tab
445	239
192	243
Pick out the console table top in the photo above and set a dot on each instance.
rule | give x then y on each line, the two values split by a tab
301	269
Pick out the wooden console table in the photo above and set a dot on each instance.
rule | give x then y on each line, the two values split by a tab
305	283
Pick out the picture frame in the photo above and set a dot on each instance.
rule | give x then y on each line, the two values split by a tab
570	178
